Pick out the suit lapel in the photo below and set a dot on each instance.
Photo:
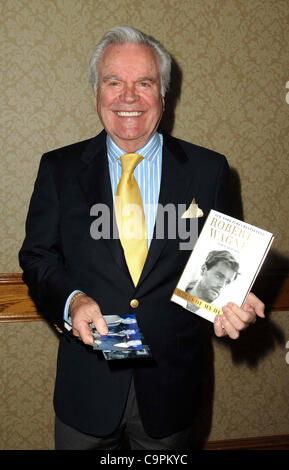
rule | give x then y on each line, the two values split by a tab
96	185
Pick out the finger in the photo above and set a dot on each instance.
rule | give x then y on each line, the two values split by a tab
218	327
83	332
230	327
239	318
85	312
99	322
75	332
253	303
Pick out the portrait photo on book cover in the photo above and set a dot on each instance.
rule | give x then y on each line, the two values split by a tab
215	279
223	265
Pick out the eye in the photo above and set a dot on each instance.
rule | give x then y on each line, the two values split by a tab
144	84
113	82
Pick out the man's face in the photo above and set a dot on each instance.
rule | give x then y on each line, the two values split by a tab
128	98
214	280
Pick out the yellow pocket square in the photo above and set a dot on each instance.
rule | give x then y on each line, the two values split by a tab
193	211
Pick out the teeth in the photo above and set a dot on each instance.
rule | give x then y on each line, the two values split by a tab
127	113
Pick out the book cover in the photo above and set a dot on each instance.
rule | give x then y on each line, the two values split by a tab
223	265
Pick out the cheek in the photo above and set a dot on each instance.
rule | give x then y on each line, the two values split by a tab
211	280
101	104
156	110
103	100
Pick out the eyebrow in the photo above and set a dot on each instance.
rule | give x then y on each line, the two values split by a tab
116	77
220	273
111	77
143	79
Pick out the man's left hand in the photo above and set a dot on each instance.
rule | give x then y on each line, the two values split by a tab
236	319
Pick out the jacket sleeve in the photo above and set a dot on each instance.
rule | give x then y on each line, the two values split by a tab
41	257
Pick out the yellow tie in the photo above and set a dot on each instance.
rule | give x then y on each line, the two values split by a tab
130	217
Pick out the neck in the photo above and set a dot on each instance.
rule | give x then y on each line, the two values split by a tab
131	146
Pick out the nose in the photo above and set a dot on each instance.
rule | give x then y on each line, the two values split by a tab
221	283
129	94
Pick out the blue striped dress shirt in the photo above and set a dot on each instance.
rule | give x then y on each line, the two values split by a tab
147	174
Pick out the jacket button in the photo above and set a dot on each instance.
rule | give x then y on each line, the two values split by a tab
134	303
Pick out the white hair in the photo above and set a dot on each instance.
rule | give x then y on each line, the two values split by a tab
128	34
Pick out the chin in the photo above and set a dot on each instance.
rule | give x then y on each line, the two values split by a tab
128	137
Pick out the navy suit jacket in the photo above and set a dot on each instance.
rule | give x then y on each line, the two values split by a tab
59	255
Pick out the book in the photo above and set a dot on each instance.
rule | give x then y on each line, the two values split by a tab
123	339
223	265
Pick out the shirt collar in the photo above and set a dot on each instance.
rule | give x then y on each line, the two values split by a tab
149	151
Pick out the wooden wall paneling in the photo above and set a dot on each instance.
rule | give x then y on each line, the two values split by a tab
15	301
251	443
17	305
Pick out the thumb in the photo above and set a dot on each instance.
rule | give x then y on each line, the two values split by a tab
254	304
99	322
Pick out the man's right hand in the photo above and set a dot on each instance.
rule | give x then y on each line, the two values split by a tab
83	311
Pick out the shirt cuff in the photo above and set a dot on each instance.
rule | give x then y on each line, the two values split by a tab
66	316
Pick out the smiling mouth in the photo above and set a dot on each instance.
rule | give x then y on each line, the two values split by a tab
215	292
129	113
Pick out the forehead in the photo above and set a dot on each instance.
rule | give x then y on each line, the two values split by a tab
129	58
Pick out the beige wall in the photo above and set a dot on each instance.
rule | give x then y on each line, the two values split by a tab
234	62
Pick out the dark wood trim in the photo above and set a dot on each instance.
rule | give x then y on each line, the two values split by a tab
15	301
17	305
10	278
251	443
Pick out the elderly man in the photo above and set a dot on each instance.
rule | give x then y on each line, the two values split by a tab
77	278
